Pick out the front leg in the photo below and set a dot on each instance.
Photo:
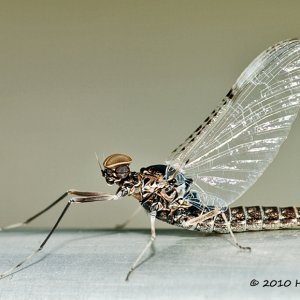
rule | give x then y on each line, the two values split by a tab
81	197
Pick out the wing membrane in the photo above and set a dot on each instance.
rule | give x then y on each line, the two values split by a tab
227	153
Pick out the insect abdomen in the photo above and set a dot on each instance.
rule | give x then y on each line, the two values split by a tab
252	218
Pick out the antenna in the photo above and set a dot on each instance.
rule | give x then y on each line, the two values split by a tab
98	162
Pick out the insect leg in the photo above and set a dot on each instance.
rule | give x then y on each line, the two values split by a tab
121	226
149	244
83	198
29	220
232	235
36	215
41	246
204	216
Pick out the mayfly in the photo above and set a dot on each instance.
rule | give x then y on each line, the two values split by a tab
217	163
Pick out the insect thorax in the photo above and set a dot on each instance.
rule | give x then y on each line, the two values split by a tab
168	198
171	200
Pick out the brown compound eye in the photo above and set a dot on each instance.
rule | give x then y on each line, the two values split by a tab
122	171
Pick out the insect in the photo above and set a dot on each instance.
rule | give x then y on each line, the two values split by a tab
217	163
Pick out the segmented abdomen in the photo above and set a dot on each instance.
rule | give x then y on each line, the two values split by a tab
252	218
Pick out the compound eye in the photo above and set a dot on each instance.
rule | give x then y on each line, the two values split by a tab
122	171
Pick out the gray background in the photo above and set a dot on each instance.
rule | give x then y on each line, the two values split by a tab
133	77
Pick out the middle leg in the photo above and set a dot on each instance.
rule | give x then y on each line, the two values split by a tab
149	244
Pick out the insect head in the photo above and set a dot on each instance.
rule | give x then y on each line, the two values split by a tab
116	168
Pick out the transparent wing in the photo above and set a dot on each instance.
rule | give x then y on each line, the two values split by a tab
227	153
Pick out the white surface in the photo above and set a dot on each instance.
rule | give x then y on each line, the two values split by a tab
114	76
187	265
